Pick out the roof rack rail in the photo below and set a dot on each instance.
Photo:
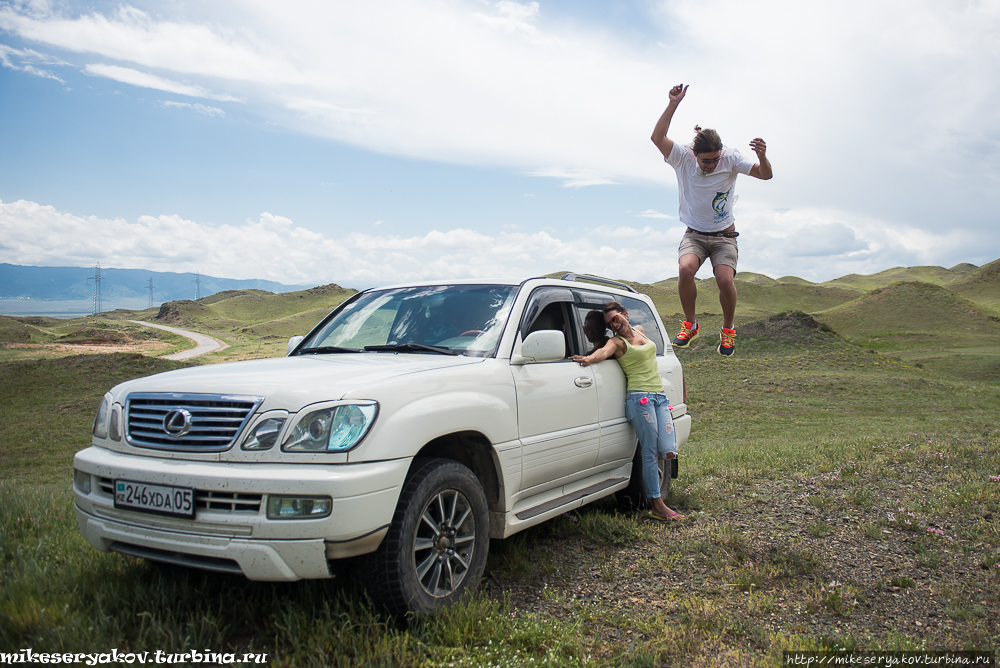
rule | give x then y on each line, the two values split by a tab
587	278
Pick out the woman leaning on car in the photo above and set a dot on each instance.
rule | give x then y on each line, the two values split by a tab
646	404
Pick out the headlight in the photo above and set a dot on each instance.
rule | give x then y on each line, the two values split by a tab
101	421
264	435
331	429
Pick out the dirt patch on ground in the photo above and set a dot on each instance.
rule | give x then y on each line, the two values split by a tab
88	348
792	558
788	327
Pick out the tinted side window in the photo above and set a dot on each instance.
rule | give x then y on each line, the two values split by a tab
640	314
590	339
550	309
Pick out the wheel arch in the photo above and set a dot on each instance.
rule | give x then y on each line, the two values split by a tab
473	450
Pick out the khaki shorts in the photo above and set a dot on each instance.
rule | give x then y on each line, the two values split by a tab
721	250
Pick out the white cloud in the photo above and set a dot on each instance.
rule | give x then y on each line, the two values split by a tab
652	213
22	59
573	178
200	108
820	244
145	80
275	248
881	112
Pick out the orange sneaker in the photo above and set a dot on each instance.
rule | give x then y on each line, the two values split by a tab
727	342
688	333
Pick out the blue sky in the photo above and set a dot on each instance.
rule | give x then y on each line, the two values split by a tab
368	143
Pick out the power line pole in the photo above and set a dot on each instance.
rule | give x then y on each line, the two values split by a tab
97	278
149	286
197	289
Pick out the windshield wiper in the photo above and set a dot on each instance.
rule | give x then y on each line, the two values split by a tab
410	347
326	349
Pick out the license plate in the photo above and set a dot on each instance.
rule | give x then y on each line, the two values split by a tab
162	499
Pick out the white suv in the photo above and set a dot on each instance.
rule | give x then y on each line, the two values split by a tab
411	425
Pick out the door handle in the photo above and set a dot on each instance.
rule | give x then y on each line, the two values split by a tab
583	381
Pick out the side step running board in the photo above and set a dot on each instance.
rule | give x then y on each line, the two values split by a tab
569	498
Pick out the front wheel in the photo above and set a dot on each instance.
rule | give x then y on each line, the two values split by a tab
436	547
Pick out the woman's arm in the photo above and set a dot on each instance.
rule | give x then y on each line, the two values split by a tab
609	350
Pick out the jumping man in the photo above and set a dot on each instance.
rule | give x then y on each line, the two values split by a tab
706	182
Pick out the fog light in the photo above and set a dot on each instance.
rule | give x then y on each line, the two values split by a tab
298	507
82	481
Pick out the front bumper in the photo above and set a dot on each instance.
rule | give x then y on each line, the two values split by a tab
230	530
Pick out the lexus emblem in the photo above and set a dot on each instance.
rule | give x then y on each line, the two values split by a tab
177	423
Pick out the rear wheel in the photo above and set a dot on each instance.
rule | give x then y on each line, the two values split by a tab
435	550
634	496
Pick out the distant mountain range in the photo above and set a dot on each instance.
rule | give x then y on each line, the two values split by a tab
70	290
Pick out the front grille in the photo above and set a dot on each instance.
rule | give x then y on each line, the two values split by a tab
230	502
187	422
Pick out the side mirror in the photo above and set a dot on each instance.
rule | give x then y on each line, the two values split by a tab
292	342
545	345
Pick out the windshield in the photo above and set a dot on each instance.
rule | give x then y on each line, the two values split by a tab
463	319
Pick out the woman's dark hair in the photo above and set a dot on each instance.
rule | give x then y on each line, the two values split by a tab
613	306
706	141
594	321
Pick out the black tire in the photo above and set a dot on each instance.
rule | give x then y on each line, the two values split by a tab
436	547
634	496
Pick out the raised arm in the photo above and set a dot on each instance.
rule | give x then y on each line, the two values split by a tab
659	137
762	170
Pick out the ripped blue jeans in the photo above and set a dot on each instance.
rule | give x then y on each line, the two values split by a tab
655	428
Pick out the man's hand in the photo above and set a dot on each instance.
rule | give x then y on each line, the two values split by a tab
677	93
762	170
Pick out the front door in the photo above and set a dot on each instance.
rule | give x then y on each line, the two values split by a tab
557	405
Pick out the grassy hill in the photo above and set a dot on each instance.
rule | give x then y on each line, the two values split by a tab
923	324
932	275
23	330
254	322
981	285
942	319
759	297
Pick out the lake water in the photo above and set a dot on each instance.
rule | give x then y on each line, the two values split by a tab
69	308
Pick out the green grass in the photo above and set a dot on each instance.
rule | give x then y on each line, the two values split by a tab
47	409
832	423
923	325
803	445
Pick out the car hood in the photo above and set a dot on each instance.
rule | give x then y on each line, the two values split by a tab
292	382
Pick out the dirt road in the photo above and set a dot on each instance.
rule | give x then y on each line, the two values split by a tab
206	344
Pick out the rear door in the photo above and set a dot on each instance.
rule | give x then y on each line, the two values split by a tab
617	436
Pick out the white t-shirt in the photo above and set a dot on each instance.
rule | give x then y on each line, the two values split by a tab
706	200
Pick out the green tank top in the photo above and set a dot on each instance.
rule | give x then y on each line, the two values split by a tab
639	365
